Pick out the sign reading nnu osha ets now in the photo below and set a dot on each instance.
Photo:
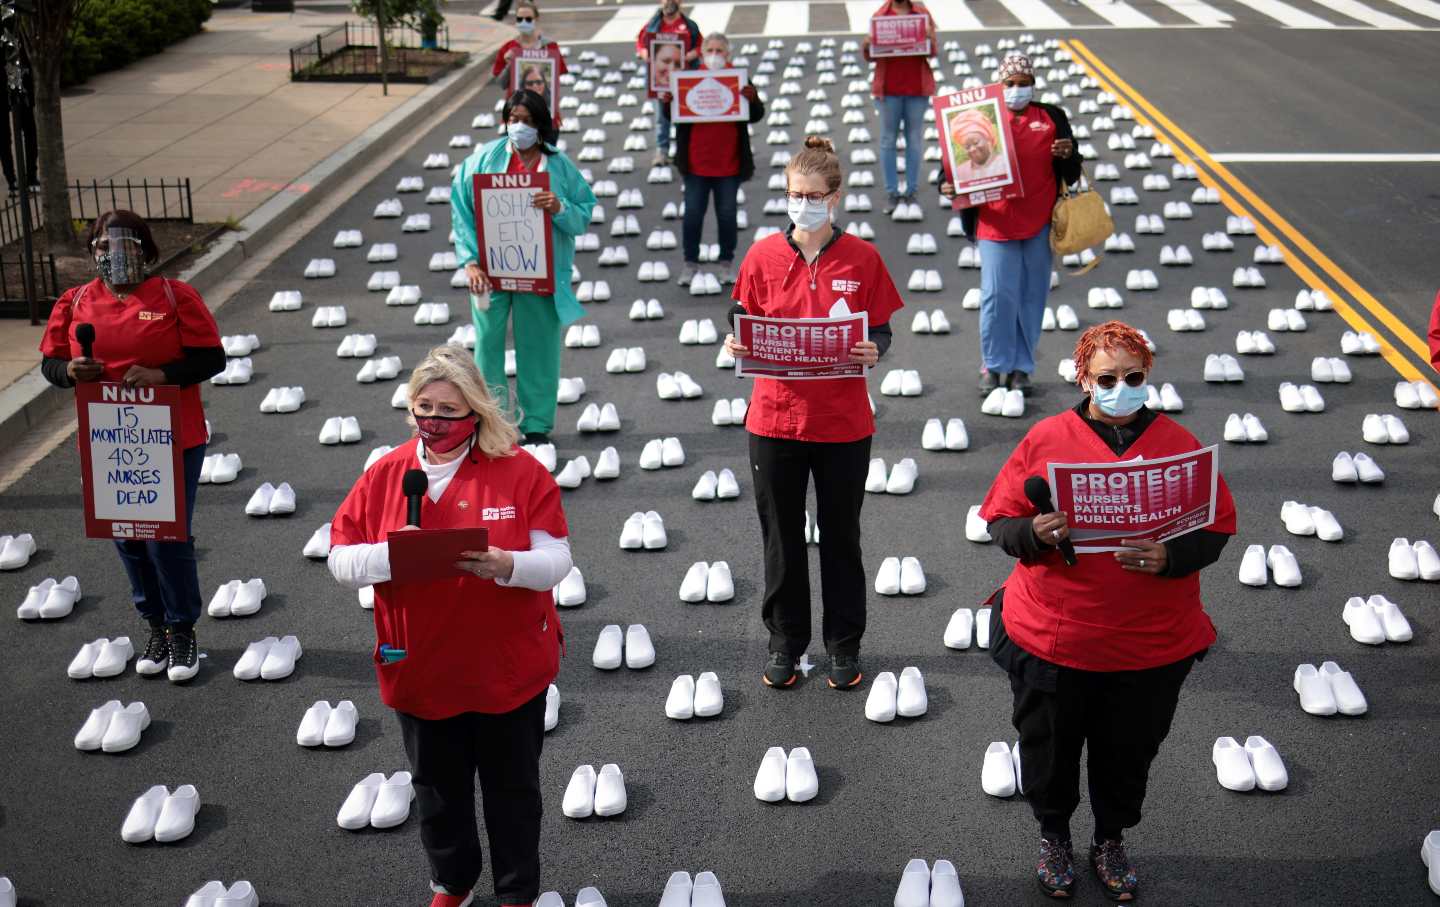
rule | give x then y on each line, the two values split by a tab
516	247
131	464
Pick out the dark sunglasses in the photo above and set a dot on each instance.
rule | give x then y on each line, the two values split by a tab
1134	379
524	18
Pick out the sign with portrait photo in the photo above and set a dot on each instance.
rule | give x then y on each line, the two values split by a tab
977	148
667	55
708	96
538	70
516	246
900	36
131	465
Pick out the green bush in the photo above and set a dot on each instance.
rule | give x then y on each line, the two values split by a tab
115	33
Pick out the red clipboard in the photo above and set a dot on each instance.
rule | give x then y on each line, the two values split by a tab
427	555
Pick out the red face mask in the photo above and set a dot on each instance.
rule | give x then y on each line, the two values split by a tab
443	434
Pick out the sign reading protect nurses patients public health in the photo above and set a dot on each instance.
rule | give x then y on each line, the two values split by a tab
130	462
513	236
1137	499
798	349
900	36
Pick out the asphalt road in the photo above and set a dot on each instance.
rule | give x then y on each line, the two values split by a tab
1346	831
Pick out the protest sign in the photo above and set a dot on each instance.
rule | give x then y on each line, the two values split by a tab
977	148
516	246
799	349
1136	499
708	96
899	36
667	55
131	465
538	70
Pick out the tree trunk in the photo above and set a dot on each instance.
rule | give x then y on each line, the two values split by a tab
54	178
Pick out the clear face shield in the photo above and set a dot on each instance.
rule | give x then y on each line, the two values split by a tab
119	257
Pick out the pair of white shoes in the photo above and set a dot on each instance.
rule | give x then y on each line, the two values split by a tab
416	223
320	267
384	251
1209	298
101	658
1414	561
1300	399
900	576
113	728
161	816
239	345
404	294
694	698
711	486
570	390
1149	223
1166	399
976	528
924	886
644	530
1244	768
1286	320
653	271
902	383
1332	370
1415	395
643	310
283	400
326	316
949	436
680	386
318	546
698	332
660	239
544	453
1223	367
1375	620
385	368
596	290
624	360
680	891
271	500
340	430
377	802
391	207
638	651
933	322
286	301
220	469
1002	402
889	697
1184	320
50	600
1361	343
1384	429
237	598
1141	279
324	725
1246	429
1254	343
1349	468
379	281
270	658
236	371
1430	856
901	479
707	583
585	897
1258	567
575	472
1317	521
432	313
705	283
729	412
1239	225
591	794
965	627
570	591
1000	772
786	777
1247	278
923	281
662	453
1328	690
598	418
215	894
1178	257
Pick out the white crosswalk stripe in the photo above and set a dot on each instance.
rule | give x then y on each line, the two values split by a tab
1120	14
1360	11
712	17
1428	8
1035	14
1286	14
787	17
1200	12
624	25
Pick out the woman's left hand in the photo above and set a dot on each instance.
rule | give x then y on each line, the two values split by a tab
548	202
1143	556
865	352
496	563
140	376
1062	148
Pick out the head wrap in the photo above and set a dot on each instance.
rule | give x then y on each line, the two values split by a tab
972	122
1014	64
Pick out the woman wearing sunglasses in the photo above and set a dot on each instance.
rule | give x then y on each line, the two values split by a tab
527	22
1096	652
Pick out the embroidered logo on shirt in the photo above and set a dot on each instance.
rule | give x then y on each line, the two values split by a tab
1037	125
490	514
840	285
151	316
464	505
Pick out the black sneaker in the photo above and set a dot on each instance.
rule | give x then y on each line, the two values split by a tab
1019	381
780	670
1113	868
156	656
988	382
891	204
536	437
1055	870
184	655
844	672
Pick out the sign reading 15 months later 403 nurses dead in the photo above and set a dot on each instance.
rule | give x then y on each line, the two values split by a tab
130	462
516	248
797	349
1136	499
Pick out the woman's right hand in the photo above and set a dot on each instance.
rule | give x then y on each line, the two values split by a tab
947	190
479	284
733	347
1050	528
81	369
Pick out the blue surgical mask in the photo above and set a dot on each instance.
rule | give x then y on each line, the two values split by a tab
808	215
523	135
1018	96
525	28
1120	400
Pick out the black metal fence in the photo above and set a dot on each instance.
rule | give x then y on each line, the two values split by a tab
350	51
12	286
154	200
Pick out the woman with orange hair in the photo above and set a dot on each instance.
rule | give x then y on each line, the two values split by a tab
1096	652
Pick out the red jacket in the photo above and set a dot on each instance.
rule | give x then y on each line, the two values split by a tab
1097	616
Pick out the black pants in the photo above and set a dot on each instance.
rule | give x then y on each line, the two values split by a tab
504	751
165	576
782	471
1120	717
698	190
26	119
502	9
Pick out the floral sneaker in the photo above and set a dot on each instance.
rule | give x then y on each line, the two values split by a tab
1114	870
1055	870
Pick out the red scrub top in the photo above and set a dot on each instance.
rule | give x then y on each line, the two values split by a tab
715	149
903	76
502	59
1098	616
774	281
146	329
678	27
1027	215
473	645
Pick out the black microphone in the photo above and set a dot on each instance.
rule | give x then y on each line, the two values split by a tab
1038	491
85	333
414	485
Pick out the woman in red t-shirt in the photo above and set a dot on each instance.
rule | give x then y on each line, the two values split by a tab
903	87
536	79
816	427
147	331
466	659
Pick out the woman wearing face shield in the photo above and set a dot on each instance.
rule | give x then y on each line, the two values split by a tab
1014	234
527	147
1096	652
148	330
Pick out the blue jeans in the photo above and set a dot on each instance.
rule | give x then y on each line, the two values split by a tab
893	110
697	200
1014	281
662	127
164	577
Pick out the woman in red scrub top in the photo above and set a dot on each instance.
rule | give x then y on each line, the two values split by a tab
815	427
465	660
148	331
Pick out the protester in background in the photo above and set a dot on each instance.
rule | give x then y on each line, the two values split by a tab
465	659
714	158
1435	334
1096	652
149	330
668	20
902	88
25	116
816	427
528	147
1014	234
502	9
527	21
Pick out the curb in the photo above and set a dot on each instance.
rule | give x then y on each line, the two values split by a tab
29	400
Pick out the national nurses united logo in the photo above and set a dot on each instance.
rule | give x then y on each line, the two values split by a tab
491	514
841	285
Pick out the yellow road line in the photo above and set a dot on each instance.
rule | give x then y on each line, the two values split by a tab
1162	124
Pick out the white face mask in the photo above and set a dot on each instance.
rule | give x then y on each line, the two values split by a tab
1018	96
523	135
808	215
714	61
